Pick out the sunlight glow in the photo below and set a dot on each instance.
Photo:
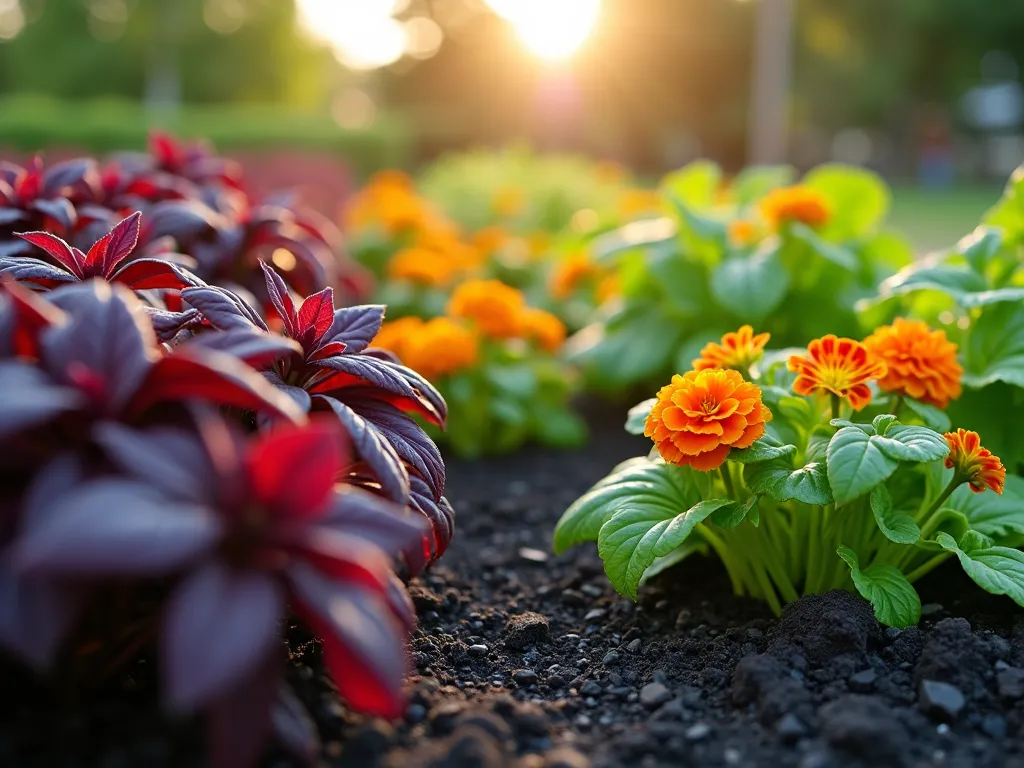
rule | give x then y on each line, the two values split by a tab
550	29
363	33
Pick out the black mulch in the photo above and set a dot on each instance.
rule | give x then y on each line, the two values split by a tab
529	660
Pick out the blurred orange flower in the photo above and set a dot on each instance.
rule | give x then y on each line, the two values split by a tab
738	350
440	347
974	464
569	273
840	366
421	266
636	201
610	172
394	335
743	232
508	202
496	308
545	328
609	287
797	203
490	239
922	363
700	416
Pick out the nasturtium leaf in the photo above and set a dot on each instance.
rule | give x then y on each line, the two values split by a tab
837	254
751	286
860	198
637	234
817	444
695	185
893	598
955	282
882	422
754	182
778	479
897	525
856	464
735	513
993	515
980	247
994	350
797	411
514	380
911	443
947	521
676	556
933	417
999	570
637	417
642	529
653	483
867	429
765	449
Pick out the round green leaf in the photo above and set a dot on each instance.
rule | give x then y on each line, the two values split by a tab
893	598
750	287
931	416
897	526
856	464
778	479
637	416
998	570
860	199
911	443
765	449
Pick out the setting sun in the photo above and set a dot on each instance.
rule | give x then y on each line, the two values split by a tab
551	29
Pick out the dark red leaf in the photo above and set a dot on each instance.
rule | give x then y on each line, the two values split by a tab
147	274
116	245
328	350
223	309
315	317
253	347
356	326
58	249
281	299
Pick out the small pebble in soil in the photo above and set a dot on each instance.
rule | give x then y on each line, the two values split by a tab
940	700
634	645
654	695
863	681
789	728
595	614
1010	683
526	629
524	677
994	726
477	650
610	658
698	732
533	555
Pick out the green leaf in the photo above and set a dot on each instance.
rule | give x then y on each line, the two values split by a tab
516	380
817	443
695	185
990	514
637	416
751	286
735	513
765	449
856	464
859	199
867	429
829	251
681	282
797	411
756	181
994	350
882	422
980	247
654	482
555	424
780	481
642	529
998	570
893	598
676	556
965	287
897	526
910	443
637	234
932	417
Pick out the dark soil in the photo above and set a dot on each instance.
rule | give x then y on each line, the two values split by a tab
528	660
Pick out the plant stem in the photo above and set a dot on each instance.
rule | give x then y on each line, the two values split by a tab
928	567
727	479
895	405
836	404
955	483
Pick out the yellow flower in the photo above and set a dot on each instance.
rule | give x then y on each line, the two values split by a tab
421	266
508	202
974	464
496	308
738	351
440	347
634	202
840	366
922	363
700	416
545	328
796	203
394	335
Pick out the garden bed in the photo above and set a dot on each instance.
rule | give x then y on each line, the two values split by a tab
527	659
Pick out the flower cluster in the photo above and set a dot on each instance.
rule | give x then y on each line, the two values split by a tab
798	203
269	457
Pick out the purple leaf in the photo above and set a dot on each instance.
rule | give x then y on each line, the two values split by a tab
293	727
439	514
171	460
239	720
63	253
356	326
29	270
372	447
222	309
69	176
181	219
363	642
11	215
114	247
298	394
147	274
60	209
31	398
109	338
167	325
408	439
56	478
115	527
219	626
253	347
281	298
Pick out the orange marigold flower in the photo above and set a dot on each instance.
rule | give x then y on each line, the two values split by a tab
796	203
840	366
922	362
570	272
508	201
394	335
738	350
609	287
538	243
421	266
440	347
545	328
974	464
496	308
636	201
702	415
743	232
490	239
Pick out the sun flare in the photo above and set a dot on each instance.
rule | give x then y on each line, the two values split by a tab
550	29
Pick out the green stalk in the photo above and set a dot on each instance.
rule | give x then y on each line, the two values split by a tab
730	490
895	405
954	483
836	405
928	567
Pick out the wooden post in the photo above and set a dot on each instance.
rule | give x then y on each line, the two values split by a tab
768	129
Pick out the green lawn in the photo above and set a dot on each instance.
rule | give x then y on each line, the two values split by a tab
938	218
